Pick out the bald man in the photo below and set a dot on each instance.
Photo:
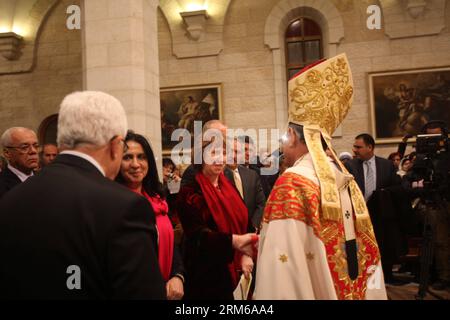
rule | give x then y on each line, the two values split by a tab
20	148
48	154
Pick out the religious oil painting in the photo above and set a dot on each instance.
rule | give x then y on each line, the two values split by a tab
403	101
181	106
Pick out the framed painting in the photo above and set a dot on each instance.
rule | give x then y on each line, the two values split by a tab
401	102
181	106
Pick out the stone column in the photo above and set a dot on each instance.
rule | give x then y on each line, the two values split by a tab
120	57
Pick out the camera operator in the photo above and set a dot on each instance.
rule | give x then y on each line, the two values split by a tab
428	181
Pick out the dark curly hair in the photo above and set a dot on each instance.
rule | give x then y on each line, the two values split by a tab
151	183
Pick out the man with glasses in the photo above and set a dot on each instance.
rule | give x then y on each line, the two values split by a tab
20	148
71	232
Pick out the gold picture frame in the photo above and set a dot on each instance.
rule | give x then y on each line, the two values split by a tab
182	105
401	102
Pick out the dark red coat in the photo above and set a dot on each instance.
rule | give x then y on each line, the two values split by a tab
207	252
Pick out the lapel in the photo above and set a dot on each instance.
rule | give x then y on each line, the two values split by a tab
360	175
379	168
11	178
244	177
229	175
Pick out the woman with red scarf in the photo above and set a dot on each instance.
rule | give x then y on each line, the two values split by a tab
216	245
138	172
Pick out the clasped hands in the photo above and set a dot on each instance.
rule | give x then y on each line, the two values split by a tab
247	245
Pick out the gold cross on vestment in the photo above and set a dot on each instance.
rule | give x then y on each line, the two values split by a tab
310	256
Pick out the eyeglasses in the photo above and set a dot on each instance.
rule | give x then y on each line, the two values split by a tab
25	148
125	145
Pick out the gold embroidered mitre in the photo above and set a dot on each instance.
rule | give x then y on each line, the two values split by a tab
320	97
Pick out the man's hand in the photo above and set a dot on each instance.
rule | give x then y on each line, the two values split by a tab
174	289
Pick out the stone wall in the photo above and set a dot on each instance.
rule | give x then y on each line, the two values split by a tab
28	98
245	67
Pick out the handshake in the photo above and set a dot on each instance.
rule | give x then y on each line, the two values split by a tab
246	243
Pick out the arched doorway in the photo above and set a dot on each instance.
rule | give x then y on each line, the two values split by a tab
47	130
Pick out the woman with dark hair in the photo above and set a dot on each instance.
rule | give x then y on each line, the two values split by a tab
215	221
139	173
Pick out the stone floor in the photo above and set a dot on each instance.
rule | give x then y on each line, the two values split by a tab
410	290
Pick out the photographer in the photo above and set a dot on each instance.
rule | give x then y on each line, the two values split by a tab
428	181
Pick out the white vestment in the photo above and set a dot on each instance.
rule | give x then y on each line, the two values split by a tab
296	259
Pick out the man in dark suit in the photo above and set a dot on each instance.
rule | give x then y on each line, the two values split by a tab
248	184
20	147
253	162
72	233
381	171
373	175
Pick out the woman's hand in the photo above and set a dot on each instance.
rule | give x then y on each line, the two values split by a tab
247	265
174	289
245	243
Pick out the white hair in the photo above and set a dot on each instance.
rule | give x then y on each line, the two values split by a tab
91	117
6	139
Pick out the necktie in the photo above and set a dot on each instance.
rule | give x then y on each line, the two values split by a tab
369	182
238	182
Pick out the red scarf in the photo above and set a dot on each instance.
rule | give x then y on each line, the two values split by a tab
228	211
165	234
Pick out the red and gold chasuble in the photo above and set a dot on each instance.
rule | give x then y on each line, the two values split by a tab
302	255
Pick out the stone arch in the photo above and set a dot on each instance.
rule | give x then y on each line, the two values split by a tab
47	129
36	14
325	13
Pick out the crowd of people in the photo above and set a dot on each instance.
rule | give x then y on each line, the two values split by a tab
321	228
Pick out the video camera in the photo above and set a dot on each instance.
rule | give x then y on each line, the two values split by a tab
430	172
432	144
429	180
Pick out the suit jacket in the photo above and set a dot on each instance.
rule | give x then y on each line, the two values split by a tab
386	173
267	181
254	197
389	207
71	215
8	180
